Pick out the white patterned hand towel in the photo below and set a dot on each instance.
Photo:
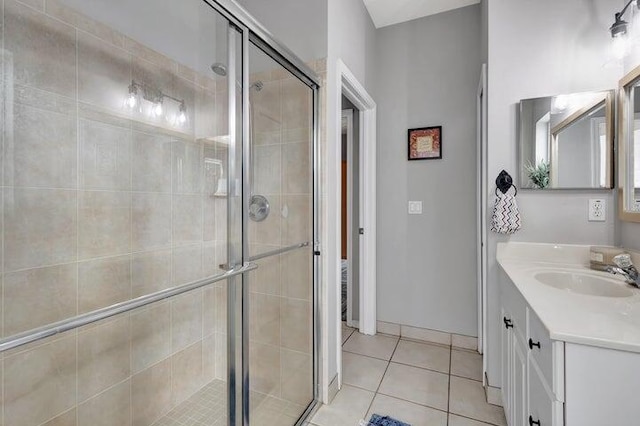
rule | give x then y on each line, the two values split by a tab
506	216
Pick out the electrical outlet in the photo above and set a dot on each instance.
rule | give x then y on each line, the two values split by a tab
597	210
415	207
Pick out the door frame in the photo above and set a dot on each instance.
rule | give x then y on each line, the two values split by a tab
347	114
481	196
352	89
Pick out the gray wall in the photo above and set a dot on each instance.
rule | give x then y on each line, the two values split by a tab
429	71
541	48
301	25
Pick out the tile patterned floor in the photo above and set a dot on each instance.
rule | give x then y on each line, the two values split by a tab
208	407
418	383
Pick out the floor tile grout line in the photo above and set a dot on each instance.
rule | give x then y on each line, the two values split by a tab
414	403
381	380
471	418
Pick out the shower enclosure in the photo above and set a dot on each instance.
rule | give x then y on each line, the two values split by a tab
157	208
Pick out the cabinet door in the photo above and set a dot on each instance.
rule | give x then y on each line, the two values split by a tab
543	408
519	406
507	351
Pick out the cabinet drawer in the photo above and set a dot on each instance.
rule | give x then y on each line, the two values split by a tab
517	307
543	409
548	354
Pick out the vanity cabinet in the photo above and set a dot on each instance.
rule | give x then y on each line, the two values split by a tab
532	366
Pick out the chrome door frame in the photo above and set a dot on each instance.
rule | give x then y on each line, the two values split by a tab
251	31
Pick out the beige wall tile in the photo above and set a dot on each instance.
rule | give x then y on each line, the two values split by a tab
205	113
150	335
296	377
264	363
221	357
37	297
40	227
40	383
104	223
209	358
151	393
264	318
69	15
297	281
42	150
65	419
266	279
268	231
267	169
296	104
186	373
296	223
104	73
150	272
187	219
151	155
103	282
267	106
186	320
296	170
187	167
295	325
44	49
103	356
105	156
151	221
187	264
112	407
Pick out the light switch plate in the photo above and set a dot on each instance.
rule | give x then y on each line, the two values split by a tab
415	207
597	210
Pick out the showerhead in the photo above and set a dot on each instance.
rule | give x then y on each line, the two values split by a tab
258	85
219	68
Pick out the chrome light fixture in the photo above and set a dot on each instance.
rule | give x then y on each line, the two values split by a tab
619	32
139	91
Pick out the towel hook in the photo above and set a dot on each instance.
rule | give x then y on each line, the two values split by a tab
504	182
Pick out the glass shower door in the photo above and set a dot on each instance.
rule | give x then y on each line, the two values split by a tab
280	291
115	167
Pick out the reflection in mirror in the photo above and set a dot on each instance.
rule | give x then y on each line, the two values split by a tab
566	141
634	150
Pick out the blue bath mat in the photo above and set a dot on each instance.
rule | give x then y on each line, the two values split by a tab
377	420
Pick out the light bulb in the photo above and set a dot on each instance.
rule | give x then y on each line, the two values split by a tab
157	109
131	100
619	46
182	118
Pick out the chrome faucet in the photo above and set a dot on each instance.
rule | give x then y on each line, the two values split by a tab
624	266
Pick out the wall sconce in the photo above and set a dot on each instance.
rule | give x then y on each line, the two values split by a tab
619	32
139	91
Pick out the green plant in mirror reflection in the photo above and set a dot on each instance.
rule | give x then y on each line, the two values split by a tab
539	174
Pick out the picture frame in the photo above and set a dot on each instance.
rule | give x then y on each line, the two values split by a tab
425	143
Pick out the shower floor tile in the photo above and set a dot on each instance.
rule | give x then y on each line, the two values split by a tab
208	407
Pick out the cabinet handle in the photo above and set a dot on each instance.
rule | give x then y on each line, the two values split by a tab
531	344
533	422
507	323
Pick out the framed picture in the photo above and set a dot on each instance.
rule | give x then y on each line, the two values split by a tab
425	143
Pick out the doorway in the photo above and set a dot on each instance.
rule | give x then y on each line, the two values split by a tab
350	214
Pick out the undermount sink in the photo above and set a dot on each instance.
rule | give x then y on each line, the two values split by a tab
584	283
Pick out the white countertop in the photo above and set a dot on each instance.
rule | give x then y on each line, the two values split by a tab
609	322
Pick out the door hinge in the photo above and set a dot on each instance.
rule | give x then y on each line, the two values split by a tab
361	231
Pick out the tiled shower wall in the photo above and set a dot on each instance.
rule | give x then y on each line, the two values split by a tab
101	205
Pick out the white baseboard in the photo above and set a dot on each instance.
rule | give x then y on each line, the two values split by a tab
429	336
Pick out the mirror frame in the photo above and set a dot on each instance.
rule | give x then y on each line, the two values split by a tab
609	101
623	141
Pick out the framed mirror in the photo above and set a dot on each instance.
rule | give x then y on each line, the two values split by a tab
566	141
629	147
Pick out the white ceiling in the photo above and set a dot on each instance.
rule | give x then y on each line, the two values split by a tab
389	12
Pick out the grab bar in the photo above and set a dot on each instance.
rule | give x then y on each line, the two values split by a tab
34	335
278	251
